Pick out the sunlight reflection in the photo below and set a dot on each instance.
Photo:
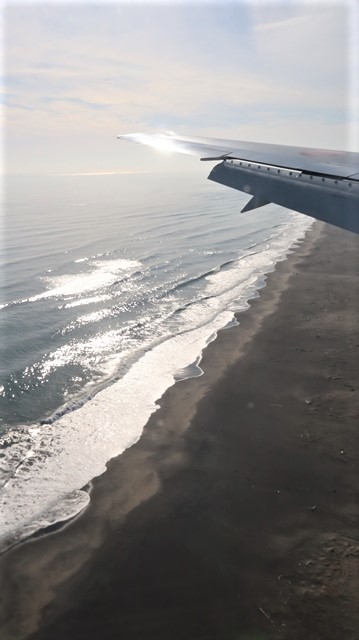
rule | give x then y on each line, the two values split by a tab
163	142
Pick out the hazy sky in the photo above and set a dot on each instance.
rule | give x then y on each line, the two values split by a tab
76	75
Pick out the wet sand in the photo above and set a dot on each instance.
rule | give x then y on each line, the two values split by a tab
235	516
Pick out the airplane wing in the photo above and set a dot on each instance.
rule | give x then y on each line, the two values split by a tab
320	183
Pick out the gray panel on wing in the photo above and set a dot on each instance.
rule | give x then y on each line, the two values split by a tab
335	201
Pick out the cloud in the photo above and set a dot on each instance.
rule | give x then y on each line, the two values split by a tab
77	75
310	46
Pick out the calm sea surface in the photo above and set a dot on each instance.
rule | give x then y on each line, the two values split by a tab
111	287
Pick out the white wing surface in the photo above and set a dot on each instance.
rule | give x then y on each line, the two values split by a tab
321	183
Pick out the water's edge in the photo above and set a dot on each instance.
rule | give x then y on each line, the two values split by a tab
74	503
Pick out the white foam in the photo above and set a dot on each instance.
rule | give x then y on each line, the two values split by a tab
67	454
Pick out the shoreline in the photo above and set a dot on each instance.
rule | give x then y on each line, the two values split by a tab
169	500
62	505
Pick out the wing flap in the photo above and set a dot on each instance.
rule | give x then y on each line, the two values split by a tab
329	199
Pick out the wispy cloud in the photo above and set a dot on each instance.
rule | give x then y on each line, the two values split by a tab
77	75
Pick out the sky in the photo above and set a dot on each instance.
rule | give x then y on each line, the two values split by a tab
76	75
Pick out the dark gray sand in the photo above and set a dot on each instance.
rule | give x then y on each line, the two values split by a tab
235	516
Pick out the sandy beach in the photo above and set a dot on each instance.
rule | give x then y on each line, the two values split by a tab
235	516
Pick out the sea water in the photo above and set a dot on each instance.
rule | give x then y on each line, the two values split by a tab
112	286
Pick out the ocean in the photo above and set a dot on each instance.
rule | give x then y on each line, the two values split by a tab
112	286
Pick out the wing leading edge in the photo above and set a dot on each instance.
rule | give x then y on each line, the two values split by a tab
320	183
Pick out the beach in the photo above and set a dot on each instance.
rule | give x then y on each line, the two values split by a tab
235	515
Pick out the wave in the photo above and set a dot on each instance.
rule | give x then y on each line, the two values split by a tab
86	301
103	274
58	458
